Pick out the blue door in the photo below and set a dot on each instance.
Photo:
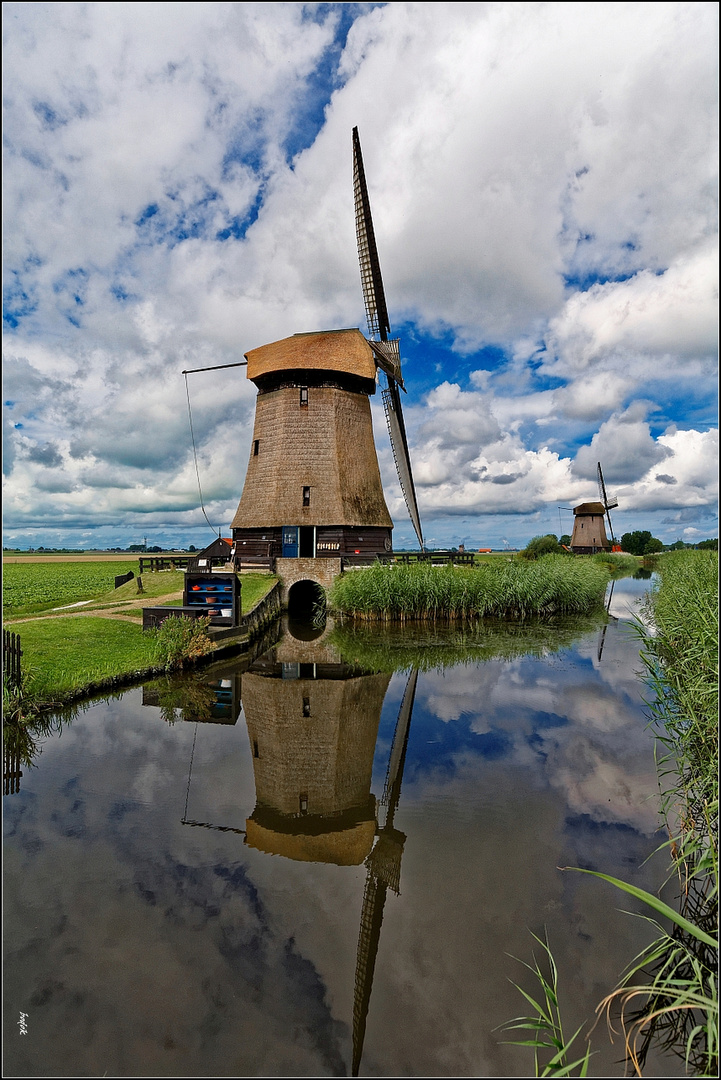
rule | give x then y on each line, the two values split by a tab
290	541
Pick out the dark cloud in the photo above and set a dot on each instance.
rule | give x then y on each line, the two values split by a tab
47	455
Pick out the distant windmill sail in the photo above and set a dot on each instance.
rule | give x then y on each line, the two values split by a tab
608	504
385	351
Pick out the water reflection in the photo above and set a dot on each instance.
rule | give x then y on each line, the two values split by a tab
265	943
312	726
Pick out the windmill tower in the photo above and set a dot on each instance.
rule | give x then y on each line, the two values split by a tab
313	488
589	532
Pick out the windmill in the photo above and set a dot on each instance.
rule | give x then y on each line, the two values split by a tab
312	488
589	533
609	504
386	350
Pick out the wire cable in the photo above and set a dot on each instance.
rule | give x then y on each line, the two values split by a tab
195	457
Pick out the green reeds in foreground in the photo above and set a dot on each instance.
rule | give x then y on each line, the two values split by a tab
551	1049
679	1007
554	584
681	660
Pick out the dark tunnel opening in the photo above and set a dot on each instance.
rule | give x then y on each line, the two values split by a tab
306	610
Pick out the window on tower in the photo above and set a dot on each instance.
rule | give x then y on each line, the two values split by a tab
256	447
306	496
304	395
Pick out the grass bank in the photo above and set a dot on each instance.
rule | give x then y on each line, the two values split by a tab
66	655
554	584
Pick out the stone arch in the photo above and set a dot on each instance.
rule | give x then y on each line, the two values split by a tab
303	594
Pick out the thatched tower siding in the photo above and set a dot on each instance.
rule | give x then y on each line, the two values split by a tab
325	446
589	530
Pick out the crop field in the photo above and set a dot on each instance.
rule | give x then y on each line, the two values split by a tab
29	587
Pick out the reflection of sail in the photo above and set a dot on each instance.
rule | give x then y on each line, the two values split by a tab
312	727
384	872
602	639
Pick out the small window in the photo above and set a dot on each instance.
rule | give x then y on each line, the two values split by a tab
303	804
256	447
255	748
306	706
304	395
306	496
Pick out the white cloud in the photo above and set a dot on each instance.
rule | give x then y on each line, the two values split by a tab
631	324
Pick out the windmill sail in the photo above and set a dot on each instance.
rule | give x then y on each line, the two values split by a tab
385	351
608	504
373	294
399	446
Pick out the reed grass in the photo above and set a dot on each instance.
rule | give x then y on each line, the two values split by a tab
551	1048
679	1005
554	584
618	562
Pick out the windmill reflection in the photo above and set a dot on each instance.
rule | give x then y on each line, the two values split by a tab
609	618
312	725
384	872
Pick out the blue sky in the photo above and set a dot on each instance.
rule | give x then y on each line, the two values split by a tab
178	191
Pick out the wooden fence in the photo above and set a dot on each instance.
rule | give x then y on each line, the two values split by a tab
11	772
12	672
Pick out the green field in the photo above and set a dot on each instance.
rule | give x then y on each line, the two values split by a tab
29	587
34	588
66	651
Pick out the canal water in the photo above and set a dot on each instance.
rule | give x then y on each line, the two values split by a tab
323	859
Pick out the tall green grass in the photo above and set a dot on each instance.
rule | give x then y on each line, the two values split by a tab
554	584
681	660
617	561
680	654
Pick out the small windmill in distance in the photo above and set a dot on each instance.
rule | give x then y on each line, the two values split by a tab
589	534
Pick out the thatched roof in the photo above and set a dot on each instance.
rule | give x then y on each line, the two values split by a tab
325	350
590	508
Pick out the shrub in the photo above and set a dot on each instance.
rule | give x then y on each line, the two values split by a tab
181	640
542	545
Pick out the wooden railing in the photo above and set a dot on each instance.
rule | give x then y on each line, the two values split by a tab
459	558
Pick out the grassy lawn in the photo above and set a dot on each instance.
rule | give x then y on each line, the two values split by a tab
62	655
64	652
26	594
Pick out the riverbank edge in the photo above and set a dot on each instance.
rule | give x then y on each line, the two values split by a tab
229	641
